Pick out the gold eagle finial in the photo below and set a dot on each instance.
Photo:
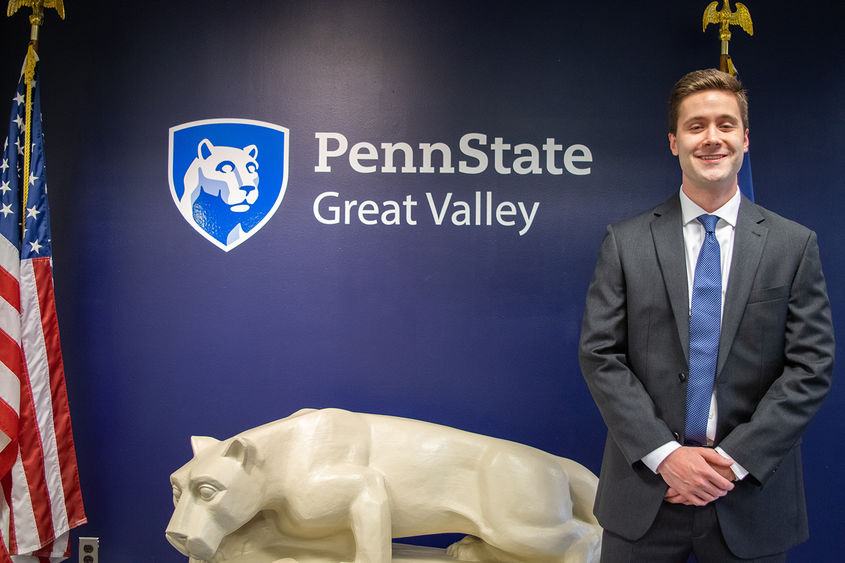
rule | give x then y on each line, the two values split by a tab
726	18
37	17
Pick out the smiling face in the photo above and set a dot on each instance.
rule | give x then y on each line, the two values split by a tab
709	143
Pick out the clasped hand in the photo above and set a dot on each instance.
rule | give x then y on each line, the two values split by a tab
696	476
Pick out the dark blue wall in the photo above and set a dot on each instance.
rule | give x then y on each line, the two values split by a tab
165	335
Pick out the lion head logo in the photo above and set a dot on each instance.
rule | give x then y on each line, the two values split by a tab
214	176
221	178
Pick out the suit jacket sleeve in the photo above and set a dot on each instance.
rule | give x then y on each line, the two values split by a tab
626	405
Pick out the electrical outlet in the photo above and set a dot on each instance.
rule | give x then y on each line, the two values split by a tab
89	550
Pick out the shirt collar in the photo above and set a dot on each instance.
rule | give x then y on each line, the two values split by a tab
728	212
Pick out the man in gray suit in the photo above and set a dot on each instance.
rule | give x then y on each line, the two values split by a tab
736	493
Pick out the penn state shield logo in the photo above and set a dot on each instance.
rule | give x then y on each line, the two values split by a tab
228	176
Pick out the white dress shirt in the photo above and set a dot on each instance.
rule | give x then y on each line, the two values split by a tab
693	232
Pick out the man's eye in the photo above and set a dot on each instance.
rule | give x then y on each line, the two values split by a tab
177	494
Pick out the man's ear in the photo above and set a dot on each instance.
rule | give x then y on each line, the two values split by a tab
747	142
673	146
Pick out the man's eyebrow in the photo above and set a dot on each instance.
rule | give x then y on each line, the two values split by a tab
725	116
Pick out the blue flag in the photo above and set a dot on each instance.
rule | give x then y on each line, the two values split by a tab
746	185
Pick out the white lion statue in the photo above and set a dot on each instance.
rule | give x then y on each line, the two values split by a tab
343	484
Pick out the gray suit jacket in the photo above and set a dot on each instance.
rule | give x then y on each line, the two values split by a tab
775	365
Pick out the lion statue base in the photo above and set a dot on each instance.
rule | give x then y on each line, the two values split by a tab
333	485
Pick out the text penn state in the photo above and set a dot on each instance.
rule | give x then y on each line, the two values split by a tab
475	155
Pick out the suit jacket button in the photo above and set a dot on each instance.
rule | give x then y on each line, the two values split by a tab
682	376
677	436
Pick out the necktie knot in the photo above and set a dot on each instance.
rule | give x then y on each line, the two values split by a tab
709	222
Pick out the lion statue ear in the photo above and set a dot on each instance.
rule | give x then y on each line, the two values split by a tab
243	451
201	443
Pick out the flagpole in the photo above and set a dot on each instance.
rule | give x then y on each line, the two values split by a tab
725	18
725	59
36	19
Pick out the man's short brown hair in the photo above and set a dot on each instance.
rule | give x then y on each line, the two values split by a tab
707	79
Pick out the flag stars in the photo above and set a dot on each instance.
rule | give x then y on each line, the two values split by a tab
11	210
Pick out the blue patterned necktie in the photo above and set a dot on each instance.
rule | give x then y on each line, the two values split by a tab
704	327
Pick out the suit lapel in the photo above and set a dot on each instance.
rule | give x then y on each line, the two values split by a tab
667	232
749	240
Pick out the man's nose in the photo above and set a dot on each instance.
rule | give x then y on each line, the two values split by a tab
712	136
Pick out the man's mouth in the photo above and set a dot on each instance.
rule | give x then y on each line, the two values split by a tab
712	157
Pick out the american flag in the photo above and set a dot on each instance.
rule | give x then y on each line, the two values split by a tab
41	498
